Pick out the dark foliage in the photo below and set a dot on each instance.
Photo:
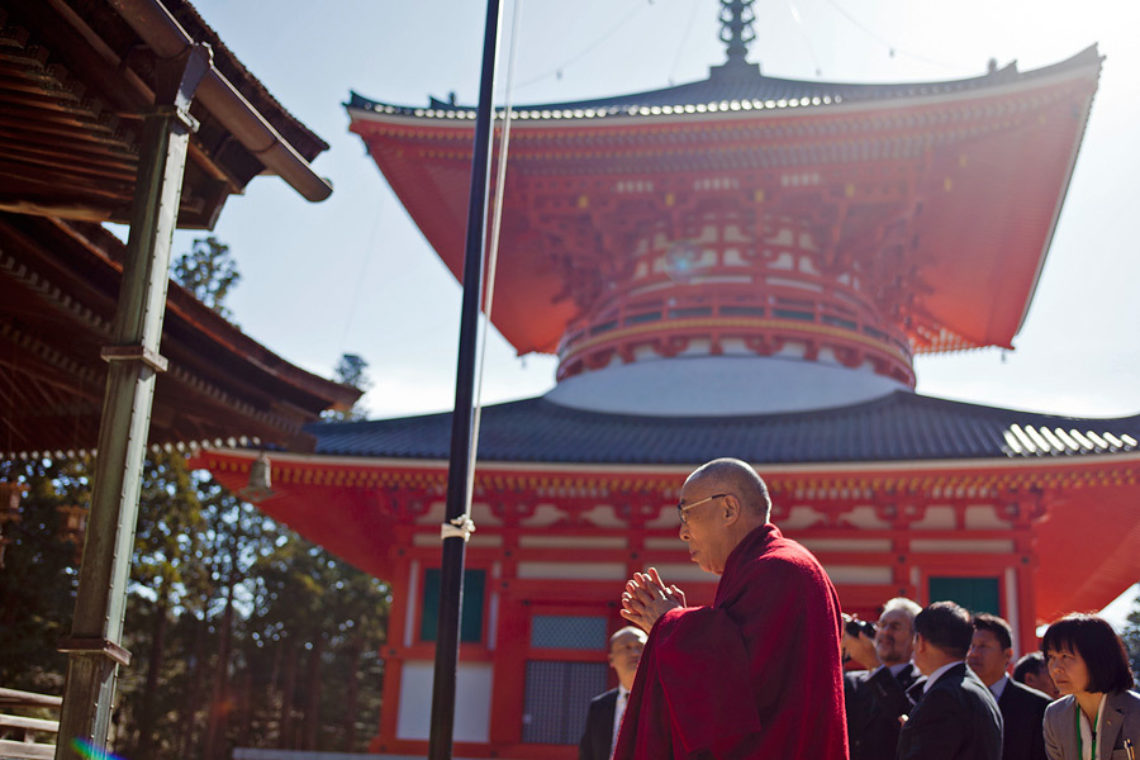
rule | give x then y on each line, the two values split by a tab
242	633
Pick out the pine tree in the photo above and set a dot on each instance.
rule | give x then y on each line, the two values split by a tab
351	370
209	272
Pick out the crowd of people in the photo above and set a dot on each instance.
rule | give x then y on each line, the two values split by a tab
759	673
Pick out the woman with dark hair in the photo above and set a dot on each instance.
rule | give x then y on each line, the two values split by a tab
1099	718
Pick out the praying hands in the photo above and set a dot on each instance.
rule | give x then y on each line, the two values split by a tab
646	598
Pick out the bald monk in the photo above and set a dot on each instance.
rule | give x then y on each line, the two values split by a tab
758	674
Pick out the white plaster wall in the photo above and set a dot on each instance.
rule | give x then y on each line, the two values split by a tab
583	571
678	572
858	575
971	546
472	701
871	545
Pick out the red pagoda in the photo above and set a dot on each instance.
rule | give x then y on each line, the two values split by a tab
741	266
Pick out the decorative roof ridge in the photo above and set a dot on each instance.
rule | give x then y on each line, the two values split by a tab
895	398
332	425
728	83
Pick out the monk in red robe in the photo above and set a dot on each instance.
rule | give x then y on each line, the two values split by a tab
758	674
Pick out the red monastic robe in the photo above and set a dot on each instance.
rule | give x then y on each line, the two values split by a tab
757	675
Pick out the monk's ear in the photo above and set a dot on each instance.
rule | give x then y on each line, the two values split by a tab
732	509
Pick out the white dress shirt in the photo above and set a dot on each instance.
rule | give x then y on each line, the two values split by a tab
619	711
938	674
1087	731
998	687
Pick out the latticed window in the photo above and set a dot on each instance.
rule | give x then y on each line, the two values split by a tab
557	697
568	632
559	689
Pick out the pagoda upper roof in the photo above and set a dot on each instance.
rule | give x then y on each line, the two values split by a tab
901	426
978	172
735	87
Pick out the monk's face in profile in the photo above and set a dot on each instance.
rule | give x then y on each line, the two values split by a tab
706	514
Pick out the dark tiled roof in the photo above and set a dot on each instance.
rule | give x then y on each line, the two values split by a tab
734	86
900	427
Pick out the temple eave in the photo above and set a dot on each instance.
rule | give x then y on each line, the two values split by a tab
760	95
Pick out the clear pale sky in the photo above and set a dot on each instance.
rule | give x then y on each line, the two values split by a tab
353	274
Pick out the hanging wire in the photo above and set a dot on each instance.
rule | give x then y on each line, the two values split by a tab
360	278
492	255
807	40
684	42
892	48
557	71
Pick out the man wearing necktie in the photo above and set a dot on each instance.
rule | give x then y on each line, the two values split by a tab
1022	708
956	717
875	698
607	709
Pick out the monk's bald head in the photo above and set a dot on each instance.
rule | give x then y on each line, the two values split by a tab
733	476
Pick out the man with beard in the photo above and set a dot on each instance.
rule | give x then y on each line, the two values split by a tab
876	698
606	710
755	675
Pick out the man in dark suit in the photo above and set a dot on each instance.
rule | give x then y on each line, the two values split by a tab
1022	708
956	717
876	698
606	710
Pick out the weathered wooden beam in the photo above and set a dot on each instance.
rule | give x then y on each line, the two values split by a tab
94	654
19	698
24	750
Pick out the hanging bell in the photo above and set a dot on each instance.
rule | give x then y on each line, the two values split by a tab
259	486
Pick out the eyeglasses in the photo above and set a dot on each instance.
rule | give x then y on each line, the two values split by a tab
682	508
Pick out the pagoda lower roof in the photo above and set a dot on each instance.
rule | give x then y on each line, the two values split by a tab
901	426
742	85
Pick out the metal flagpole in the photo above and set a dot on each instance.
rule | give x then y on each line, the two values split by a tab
456	530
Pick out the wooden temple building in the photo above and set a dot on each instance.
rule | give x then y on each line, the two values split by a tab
75	81
740	266
130	111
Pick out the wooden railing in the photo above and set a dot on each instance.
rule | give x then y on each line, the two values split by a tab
22	737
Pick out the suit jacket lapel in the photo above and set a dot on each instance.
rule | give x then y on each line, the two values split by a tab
1069	737
1009	695
916	691
1110	731
906	676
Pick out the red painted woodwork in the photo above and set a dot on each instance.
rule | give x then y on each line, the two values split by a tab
883	188
856	233
378	514
365	512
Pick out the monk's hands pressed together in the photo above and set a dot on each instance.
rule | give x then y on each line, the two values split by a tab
646	598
